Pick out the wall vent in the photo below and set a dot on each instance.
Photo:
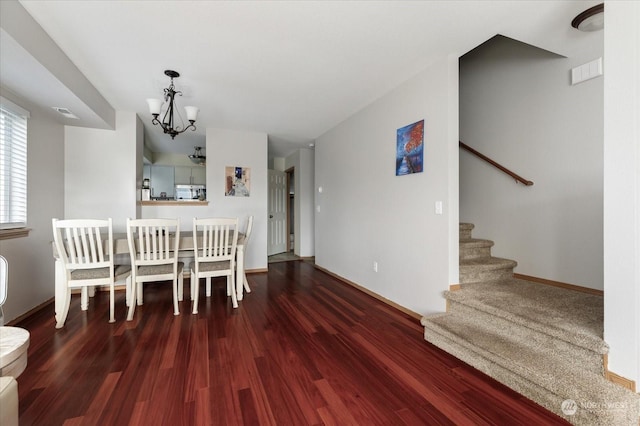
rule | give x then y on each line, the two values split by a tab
66	112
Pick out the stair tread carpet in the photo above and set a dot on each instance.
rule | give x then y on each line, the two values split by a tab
535	336
572	316
517	358
476	242
488	263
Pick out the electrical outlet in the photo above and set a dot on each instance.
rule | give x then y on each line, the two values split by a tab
375	266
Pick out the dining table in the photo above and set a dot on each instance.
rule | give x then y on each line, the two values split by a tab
121	247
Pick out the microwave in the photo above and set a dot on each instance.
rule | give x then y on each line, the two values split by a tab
191	192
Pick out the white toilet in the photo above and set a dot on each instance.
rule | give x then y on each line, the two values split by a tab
14	343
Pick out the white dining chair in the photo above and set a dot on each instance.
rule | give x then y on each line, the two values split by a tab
85	248
247	235
153	248
214	251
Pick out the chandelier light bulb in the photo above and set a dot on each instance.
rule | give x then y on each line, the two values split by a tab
154	106
192	113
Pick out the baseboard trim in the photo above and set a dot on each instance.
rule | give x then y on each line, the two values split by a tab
559	284
31	311
616	378
256	271
372	294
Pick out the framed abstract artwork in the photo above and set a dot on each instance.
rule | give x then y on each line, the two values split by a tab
410	149
237	181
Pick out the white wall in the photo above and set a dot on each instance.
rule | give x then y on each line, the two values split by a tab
245	149
368	214
622	188
303	163
517	107
103	171
31	258
230	148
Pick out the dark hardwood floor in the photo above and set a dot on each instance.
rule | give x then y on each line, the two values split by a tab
302	349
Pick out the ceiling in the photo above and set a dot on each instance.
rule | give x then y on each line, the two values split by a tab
290	69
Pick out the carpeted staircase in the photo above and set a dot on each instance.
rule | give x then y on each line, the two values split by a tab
544	342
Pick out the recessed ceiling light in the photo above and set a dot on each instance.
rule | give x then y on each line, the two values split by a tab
66	112
591	19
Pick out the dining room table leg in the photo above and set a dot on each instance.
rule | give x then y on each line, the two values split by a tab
240	272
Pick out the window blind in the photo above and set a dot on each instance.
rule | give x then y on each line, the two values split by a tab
13	165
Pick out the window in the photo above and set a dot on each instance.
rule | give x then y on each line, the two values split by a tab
13	165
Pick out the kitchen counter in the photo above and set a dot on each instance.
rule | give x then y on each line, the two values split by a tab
174	203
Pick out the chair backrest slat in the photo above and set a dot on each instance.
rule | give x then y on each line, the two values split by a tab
99	244
83	241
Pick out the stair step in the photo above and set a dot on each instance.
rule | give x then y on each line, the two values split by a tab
474	248
515	357
537	336
540	307
544	342
486	269
465	230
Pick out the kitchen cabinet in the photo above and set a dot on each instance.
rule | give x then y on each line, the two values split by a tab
162	180
190	175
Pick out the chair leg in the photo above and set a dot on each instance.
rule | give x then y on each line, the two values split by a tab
62	317
194	292
208	286
234	297
112	296
245	283
176	311
139	296
84	298
132	302
181	286
191	274
128	291
127	299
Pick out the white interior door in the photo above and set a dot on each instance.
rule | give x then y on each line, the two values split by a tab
277	229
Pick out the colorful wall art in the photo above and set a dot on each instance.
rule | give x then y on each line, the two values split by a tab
238	181
410	149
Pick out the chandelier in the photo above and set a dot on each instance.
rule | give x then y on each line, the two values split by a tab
591	19
197	157
167	122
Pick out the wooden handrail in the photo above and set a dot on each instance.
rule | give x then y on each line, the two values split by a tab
496	165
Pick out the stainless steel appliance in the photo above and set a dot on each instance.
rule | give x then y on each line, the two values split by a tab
191	192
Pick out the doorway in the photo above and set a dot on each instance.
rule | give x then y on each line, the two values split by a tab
286	186
291	210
